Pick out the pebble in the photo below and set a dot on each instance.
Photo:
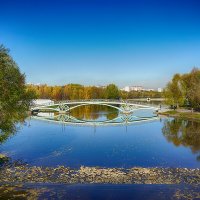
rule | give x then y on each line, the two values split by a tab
61	174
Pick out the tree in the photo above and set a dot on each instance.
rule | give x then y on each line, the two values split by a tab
57	92
112	92
15	97
184	90
87	93
174	92
192	87
13	91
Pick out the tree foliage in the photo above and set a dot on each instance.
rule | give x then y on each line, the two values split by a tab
112	92
175	92
184	90
192	88
76	91
13	91
15	97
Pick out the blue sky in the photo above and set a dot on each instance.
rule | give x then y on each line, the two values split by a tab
96	42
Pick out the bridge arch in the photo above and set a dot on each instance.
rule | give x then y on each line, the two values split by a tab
101	104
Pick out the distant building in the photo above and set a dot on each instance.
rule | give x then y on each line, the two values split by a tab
149	89
136	88
139	88
132	88
127	88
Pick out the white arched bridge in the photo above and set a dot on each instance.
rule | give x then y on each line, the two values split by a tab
125	107
60	112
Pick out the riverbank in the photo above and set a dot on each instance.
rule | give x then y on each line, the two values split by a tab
3	158
182	114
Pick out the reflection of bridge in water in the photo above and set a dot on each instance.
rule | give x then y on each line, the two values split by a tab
126	112
120	120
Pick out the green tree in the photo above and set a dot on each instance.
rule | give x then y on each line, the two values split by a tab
184	90
15	97
175	92
192	86
13	91
112	92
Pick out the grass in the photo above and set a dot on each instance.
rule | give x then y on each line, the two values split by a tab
2	156
183	115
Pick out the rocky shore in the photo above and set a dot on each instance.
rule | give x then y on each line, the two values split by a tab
61	174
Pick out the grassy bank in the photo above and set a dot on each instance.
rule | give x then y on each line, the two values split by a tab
3	158
183	115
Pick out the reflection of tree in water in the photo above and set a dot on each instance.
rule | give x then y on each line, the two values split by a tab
93	112
182	132
112	115
8	123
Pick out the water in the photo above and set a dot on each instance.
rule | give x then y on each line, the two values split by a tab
160	143
102	191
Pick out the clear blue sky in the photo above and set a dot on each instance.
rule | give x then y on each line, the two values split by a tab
102	41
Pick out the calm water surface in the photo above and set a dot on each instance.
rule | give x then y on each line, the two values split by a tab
161	143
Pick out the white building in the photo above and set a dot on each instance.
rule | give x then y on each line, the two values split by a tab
132	88
139	88
149	89
136	88
127	88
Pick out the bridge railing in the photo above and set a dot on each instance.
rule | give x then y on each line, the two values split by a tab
129	101
90	100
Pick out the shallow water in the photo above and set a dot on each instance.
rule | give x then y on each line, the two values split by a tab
99	191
